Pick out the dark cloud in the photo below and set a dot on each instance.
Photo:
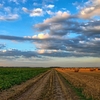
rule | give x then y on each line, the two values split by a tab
27	38
54	22
91	28
58	27
70	26
2	46
41	26
70	54
7	37
78	46
15	53
61	26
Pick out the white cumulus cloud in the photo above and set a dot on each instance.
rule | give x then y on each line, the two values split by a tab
50	6
9	17
34	12
90	10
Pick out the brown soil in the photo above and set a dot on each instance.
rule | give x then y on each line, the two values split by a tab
47	86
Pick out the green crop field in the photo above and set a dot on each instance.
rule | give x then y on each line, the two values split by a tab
12	76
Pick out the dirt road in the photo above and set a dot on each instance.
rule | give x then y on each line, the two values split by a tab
48	86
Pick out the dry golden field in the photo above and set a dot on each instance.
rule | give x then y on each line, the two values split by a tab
85	79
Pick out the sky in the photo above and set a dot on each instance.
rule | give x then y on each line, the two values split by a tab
44	33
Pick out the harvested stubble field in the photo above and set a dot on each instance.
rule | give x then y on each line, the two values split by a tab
86	81
55	84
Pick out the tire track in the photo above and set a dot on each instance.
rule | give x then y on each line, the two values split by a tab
35	91
57	89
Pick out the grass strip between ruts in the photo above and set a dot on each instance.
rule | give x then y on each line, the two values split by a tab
77	90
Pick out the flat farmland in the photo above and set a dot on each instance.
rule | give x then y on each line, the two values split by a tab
85	81
52	84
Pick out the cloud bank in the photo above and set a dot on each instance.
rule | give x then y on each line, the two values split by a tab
61	35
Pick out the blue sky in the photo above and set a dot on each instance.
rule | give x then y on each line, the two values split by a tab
50	33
